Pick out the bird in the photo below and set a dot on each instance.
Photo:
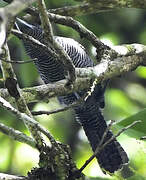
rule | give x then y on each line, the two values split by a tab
89	112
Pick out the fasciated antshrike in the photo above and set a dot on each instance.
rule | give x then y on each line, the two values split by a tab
88	113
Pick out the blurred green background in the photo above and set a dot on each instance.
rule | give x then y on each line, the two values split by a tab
125	97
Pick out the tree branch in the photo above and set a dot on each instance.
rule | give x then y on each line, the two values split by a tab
30	121
98	6
17	135
16	7
94	6
70	22
19	62
11	84
9	12
57	157
49	40
82	30
10	177
102	145
44	92
134	55
35	113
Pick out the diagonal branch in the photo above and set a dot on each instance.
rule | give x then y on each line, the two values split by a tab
49	39
29	120
16	7
9	12
12	86
17	135
101	145
35	43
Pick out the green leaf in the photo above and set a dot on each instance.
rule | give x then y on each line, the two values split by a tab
141	72
139	129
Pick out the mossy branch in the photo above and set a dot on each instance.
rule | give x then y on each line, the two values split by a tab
132	56
97	6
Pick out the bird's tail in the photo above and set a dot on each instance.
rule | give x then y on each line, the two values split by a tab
112	157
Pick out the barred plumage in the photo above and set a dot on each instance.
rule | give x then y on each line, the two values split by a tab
112	157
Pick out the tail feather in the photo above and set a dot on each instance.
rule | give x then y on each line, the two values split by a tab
112	157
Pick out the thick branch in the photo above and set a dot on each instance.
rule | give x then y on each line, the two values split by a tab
108	69
16	7
8	12
96	6
44	92
104	70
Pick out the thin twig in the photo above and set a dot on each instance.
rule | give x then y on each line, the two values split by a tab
99	145
36	113
118	134
73	105
105	133
102	146
19	62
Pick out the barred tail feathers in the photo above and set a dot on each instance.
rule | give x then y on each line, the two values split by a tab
113	156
